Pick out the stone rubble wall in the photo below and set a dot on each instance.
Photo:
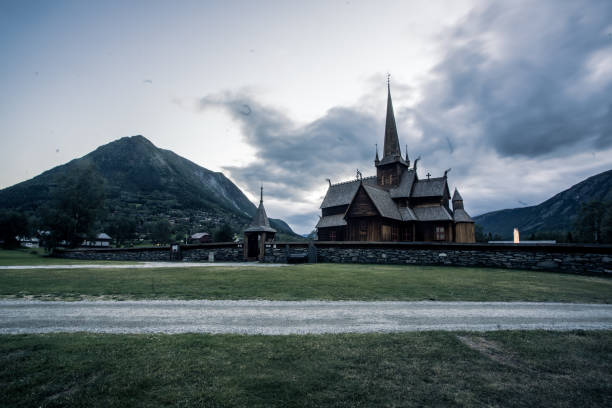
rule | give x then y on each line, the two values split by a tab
578	259
568	259
223	252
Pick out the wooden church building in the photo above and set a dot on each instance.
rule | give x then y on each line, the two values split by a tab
394	205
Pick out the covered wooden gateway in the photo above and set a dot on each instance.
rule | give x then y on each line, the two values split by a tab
257	234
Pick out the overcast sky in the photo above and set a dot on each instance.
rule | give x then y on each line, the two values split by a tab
514	96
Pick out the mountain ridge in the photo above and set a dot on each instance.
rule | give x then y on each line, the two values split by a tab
139	175
556	214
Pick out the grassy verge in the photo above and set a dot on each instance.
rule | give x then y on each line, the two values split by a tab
320	281
561	369
38	256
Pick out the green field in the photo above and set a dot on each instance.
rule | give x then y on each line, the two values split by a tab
560	369
38	256
318	281
508	368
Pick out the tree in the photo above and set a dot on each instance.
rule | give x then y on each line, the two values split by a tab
160	232
479	233
75	208
589	222
606	224
12	225
122	229
224	233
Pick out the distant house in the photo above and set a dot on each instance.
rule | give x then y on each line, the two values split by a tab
29	242
200	238
102	240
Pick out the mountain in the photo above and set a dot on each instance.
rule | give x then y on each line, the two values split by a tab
146	183
556	214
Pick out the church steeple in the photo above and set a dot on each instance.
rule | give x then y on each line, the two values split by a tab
392	146
260	221
391	167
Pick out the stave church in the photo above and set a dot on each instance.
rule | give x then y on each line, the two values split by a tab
394	205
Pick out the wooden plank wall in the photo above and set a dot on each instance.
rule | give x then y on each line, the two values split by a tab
464	232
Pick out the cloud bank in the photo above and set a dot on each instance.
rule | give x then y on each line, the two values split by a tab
519	105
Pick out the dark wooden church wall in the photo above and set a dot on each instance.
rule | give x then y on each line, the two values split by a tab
426	231
362	206
331	234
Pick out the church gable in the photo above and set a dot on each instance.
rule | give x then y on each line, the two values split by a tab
362	205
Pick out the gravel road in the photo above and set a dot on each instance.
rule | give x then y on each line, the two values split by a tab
302	317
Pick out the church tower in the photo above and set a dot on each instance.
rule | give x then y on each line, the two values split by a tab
392	165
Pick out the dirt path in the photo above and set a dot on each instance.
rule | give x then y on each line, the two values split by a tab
303	317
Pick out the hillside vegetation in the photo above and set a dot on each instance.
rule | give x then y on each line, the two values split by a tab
145	184
555	216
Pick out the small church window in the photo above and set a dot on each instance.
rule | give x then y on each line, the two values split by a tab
440	235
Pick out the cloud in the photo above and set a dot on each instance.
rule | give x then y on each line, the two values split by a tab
526	79
518	105
291	159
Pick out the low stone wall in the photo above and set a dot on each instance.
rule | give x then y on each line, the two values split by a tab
148	254
223	252
229	252
289	253
579	259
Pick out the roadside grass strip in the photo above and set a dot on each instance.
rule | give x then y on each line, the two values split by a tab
305	282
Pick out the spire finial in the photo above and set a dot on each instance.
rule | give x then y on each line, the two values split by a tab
261	194
388	80
376	159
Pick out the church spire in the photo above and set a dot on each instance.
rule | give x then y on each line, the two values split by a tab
260	221
392	146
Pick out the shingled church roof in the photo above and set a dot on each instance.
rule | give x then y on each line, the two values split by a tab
405	187
336	220
343	193
461	216
457	196
260	222
435	213
433	187
383	202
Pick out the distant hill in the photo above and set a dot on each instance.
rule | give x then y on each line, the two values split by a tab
147	183
556	214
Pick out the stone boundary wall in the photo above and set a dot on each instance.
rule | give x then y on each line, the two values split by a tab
568	258
223	252
578	259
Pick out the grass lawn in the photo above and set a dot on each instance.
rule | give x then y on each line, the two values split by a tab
37	256
317	281
514	368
